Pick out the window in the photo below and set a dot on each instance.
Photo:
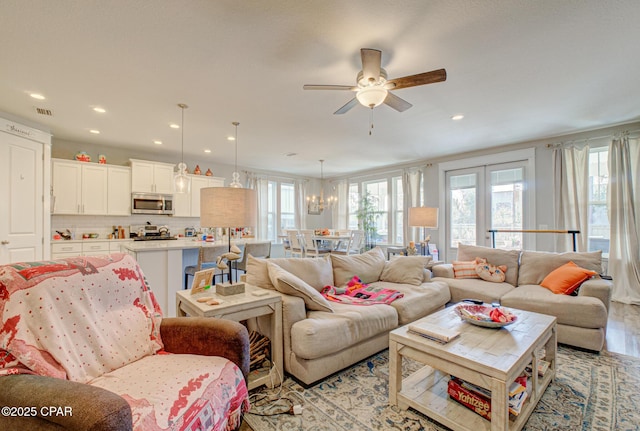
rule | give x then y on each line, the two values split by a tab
598	183
387	200
280	208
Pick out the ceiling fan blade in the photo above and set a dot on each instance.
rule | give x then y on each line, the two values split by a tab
350	104
419	79
371	60
329	87
396	102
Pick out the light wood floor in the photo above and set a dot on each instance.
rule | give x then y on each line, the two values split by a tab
623	329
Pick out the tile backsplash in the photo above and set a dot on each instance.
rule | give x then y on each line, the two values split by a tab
103	225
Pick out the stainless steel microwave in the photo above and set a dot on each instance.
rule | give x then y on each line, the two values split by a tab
151	203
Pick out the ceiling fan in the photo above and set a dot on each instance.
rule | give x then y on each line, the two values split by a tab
373	88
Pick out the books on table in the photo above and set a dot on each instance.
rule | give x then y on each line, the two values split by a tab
433	332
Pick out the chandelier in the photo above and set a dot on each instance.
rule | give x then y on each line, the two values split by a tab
317	204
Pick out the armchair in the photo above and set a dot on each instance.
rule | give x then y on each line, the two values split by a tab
86	337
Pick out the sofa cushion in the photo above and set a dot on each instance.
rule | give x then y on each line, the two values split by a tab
536	265
493	256
177	391
566	278
487	291
367	266
323	334
316	272
417	301
405	269
286	282
581	311
258	273
77	318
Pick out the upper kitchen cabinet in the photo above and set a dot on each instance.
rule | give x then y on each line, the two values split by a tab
79	188
90	188
118	191
188	204
151	177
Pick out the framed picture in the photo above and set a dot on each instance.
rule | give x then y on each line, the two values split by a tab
313	208
202	280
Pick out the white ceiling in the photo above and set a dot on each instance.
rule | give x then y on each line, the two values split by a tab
518	71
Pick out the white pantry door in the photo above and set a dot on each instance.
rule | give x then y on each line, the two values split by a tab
21	194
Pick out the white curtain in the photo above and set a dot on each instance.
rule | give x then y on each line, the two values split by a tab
261	186
300	193
571	195
411	198
340	211
624	219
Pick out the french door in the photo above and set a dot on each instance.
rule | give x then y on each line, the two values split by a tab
486	197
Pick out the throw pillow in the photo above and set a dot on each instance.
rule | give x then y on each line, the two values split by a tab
258	273
368	266
489	272
466	269
405	269
316	272
289	284
567	278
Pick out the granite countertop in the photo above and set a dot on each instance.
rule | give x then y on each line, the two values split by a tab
182	244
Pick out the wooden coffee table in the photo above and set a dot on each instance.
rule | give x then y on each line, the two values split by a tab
490	358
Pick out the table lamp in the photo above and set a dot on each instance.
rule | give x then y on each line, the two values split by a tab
426	218
228	207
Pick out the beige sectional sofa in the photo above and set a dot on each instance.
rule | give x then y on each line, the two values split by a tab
322	337
582	319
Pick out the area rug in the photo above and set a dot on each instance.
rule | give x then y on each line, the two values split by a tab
590	392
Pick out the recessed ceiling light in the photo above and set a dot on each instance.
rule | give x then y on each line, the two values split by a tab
231	138
99	109
157	142
94	131
174	126
37	96
207	151
457	117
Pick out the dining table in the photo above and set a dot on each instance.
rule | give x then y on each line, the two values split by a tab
335	240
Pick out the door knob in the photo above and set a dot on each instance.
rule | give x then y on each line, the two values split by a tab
4	242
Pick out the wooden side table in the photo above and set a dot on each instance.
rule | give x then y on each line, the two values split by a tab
254	302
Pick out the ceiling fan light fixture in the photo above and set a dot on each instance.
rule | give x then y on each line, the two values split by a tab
371	96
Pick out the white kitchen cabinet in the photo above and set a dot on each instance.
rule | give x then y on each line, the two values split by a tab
188	204
24	192
79	188
151	177
119	191
97	248
60	250
67	193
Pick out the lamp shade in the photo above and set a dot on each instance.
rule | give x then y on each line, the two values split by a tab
227	207
423	217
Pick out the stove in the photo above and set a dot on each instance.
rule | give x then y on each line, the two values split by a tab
151	232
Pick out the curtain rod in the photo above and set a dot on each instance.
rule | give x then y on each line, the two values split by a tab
593	138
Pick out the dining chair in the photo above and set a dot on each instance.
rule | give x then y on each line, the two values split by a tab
296	244
353	245
312	246
260	250
207	257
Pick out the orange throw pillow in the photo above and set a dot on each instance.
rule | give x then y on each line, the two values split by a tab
567	278
464	269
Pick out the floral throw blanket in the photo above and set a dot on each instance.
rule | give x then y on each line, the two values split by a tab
358	293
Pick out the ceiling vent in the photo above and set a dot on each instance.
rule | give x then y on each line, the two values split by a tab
43	111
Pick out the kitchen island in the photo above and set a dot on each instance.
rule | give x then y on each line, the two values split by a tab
163	263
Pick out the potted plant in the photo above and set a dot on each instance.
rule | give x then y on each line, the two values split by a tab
367	215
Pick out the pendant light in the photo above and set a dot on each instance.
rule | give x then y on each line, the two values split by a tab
181	181
235	183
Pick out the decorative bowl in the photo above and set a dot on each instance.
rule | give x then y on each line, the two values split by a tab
479	315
